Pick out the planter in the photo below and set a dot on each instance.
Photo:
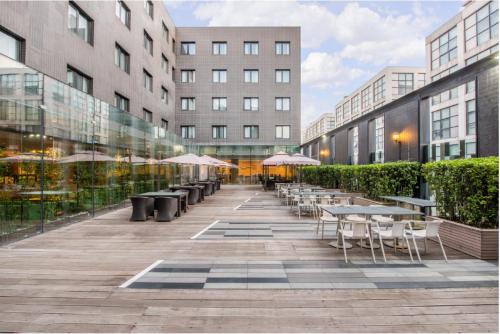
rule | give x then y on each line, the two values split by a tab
477	242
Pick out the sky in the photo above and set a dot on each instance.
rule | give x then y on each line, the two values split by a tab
343	43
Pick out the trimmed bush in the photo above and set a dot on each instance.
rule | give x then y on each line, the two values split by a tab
392	178
466	190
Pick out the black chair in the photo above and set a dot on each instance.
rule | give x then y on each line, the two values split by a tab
167	208
194	194
139	208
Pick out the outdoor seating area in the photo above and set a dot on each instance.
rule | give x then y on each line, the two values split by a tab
392	226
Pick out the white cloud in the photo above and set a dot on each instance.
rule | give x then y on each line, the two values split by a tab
323	70
315	21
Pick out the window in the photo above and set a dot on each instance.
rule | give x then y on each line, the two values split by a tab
404	83
283	131
470	149
481	55
251	48
7	110
188	131
379	139
11	46
345	111
282	48
283	76
164	124
219	48
147	115
444	48
147	80
365	98
188	103
149	8
470	108
173	45
444	73
164	95
31	110
355	105
445	123
353	149
122	58
219	103
31	84
445	96
333	149
481	26
251	76
123	13
219	76
57	91
148	43
164	63
165	33
218	131
378	89
338	114
282	104
188	48
470	87
188	76
251	103
78	80
122	103
80	23
250	131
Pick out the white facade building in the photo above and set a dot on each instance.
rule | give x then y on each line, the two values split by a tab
319	127
469	36
388	85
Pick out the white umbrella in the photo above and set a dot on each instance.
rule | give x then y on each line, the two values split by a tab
302	160
134	159
219	163
86	156
187	159
280	158
23	157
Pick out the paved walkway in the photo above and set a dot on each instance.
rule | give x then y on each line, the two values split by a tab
69	279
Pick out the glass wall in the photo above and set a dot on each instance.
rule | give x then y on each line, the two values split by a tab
65	155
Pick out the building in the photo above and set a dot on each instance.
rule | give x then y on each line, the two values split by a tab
470	35
235	92
388	85
238	92
453	116
319	127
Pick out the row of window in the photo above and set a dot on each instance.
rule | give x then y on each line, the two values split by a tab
249	131
249	76
480	27
445	121
249	48
249	104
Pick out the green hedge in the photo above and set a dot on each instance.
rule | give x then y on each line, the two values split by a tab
466	190
392	178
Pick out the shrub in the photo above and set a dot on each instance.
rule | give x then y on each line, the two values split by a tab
466	190
393	178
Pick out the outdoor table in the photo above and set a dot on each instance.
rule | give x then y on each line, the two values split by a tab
321	193
201	187
340	211
194	193
421	203
45	193
208	187
180	197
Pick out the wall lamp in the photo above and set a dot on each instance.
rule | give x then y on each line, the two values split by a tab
396	137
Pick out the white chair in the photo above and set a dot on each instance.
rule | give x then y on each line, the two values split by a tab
431	231
359	230
304	203
341	201
395	233
323	218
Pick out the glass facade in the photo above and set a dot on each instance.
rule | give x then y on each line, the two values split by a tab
65	155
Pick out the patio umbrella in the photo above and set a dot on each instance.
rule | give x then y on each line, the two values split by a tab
134	159
86	156
25	157
280	158
301	160
219	163
187	159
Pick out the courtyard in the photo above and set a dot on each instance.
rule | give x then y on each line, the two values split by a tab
238	262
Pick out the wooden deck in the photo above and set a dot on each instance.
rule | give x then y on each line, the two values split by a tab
67	280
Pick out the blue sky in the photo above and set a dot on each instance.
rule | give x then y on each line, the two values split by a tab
343	43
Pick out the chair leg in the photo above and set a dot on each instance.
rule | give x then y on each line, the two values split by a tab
343	246
371	247
425	245
382	247
317	226
416	249
442	248
298	206
323	230
409	248
395	246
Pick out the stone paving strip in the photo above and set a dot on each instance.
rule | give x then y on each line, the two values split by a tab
318	275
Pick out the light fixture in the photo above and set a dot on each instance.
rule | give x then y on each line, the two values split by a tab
396	137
